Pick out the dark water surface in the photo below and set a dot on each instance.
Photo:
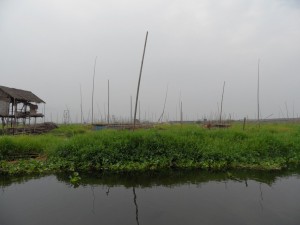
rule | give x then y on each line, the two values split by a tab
170	197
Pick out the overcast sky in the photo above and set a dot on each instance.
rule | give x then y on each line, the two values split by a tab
49	47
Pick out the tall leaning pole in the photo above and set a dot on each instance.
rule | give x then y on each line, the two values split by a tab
139	82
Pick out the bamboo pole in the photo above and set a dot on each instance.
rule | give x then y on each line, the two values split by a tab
81	117
258	111
139	82
220	121
44	112
287	111
105	115
179	105
130	109
181	113
93	90
140	111
161	116
108	102
15	115
12	113
293	111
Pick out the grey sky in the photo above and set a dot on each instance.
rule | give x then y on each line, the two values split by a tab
49	47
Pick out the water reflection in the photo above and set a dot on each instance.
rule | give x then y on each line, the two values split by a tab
136	207
165	197
173	178
166	178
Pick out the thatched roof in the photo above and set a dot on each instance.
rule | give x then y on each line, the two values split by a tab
21	95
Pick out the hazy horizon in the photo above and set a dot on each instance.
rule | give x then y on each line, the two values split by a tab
49	47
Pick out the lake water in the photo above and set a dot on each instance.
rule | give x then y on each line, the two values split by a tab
168	197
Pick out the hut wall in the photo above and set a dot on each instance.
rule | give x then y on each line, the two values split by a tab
4	104
4	108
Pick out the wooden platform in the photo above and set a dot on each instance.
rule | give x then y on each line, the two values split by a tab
121	126
31	129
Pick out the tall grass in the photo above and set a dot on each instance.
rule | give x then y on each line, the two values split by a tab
23	145
184	146
273	146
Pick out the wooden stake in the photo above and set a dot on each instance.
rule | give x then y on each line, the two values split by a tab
138	87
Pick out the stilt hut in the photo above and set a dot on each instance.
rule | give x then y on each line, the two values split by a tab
18	105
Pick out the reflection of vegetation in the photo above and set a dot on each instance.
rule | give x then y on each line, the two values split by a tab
170	178
6	181
167	178
77	148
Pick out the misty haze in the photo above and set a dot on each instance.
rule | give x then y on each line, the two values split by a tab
149	112
49	48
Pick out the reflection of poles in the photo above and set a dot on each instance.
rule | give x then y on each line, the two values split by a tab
261	197
107	192
246	182
136	207
93	193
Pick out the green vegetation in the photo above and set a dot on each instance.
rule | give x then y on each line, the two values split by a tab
79	149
